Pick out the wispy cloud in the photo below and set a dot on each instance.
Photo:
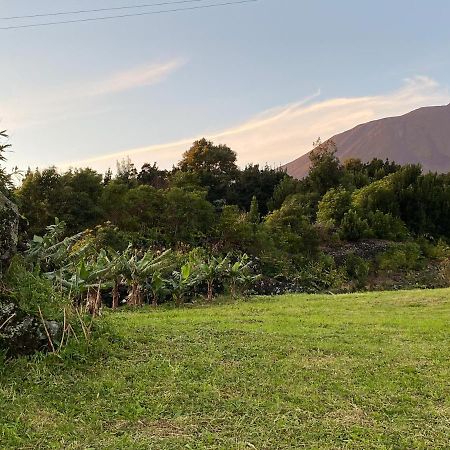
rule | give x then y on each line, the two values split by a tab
284	133
135	78
52	104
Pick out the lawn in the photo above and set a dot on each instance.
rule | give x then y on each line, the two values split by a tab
363	371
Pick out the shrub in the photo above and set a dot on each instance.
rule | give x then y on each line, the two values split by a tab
357	270
386	226
321	276
438	250
32	291
353	227
333	206
291	231
406	256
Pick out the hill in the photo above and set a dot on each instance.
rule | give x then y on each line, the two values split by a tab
421	136
362	371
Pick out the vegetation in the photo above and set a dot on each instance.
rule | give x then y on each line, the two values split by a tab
207	227
361	371
354	371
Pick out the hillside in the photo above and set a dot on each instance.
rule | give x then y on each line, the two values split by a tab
363	371
421	136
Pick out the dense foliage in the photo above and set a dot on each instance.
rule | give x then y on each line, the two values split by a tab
154	235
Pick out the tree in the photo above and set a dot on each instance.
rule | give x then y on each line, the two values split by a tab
126	172
386	226
353	227
333	206
326	170
214	164
253	216
291	230
151	175
184	280
187	181
240	275
107	177
81	208
187	216
234	230
41	198
139	268
5	178
284	189
113	203
204	156
144	206
257	182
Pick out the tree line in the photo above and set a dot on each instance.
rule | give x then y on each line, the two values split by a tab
207	201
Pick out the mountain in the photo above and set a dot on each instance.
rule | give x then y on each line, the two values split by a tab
421	136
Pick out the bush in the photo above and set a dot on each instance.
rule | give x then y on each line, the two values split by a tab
333	207
401	257
357	270
321	276
438	250
31	291
386	226
291	231
353	227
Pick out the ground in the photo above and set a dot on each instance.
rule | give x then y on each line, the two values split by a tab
362	371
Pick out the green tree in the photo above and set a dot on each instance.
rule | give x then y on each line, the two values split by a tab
151	175
284	189
353	227
254	181
234	230
41	198
254	216
291	230
333	206
5	178
81	207
213	271
187	217
126	172
386	226
326	170
144	206
214	164
114	203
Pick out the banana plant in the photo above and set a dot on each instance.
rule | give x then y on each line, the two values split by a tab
84	280
138	269
51	250
184	280
158	286
116	264
240	275
212	271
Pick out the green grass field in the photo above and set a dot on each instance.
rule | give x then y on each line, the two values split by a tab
364	371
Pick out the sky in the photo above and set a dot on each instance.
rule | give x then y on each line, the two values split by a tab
266	78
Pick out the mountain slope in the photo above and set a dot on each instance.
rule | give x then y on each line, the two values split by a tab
421	136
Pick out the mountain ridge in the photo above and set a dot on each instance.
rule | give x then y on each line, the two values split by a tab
421	137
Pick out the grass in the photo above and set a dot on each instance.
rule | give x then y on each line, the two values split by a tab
363	371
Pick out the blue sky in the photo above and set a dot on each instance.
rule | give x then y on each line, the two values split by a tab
267	78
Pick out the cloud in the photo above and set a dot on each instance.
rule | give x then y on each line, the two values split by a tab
30	108
135	78
284	133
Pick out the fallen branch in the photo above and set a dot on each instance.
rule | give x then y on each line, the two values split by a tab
64	330
7	320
